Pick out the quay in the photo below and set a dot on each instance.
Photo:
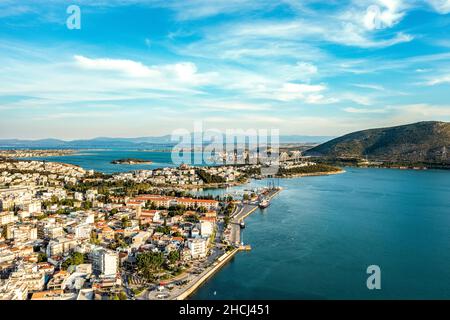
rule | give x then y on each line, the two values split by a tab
205	275
242	212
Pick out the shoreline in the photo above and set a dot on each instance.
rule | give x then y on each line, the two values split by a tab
237	184
314	174
224	259
216	266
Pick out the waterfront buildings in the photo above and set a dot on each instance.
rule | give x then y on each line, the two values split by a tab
67	235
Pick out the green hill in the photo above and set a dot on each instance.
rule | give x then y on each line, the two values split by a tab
419	142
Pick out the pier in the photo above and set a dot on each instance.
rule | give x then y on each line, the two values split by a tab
242	212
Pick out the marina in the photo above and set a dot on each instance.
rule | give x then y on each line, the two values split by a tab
243	210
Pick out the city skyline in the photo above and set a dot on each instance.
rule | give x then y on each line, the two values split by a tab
146	68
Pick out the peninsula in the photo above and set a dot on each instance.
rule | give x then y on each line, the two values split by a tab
31	153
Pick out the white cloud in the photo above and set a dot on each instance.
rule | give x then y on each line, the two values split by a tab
304	70
426	111
441	6
383	14
358	98
127	67
233	106
294	91
370	86
183	72
364	110
439	80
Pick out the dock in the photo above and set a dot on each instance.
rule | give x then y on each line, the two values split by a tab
243	212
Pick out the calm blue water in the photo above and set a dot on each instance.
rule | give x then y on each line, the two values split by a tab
100	160
320	234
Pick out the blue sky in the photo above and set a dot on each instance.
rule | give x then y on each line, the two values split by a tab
139	68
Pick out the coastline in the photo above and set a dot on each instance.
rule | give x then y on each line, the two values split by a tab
236	184
221	261
315	174
216	266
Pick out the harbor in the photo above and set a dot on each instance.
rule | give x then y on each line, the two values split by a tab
243	210
246	208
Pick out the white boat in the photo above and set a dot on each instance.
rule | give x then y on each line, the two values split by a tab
264	204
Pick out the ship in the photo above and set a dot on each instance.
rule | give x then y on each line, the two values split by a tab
242	225
264	204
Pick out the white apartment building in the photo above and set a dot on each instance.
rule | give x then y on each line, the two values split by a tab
6	218
197	248
21	232
91	195
60	246
13	289
206	228
33	207
82	231
105	262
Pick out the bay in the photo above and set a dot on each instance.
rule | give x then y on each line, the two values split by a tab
320	234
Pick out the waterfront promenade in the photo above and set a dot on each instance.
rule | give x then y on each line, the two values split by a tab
205	275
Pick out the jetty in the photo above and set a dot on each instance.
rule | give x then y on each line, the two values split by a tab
243	211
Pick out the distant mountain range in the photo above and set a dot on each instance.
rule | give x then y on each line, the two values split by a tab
140	142
419	142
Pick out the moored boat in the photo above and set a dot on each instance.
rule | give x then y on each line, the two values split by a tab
264	204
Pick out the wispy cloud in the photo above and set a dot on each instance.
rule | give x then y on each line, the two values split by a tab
441	6
364	110
304	66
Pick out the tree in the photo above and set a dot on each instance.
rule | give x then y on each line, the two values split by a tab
226	220
151	205
4	232
122	295
42	257
75	259
173	256
87	205
192	218
202	209
163	229
126	222
148	263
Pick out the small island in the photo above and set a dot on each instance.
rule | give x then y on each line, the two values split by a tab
131	161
